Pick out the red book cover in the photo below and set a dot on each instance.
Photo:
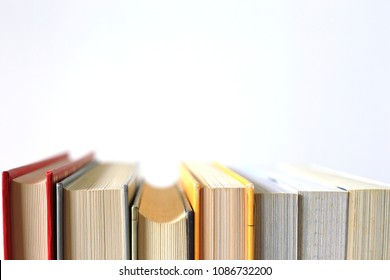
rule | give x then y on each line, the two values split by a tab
8	176
52	177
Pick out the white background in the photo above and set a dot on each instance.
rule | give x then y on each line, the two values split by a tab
234	81
281	270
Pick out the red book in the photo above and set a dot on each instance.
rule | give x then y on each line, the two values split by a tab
53	175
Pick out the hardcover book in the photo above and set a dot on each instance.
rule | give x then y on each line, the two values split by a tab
368	235
93	212
222	202
162	225
29	206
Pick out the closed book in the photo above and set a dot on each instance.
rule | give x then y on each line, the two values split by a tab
275	216
162	224
52	177
222	202
29	206
93	212
322	218
368	235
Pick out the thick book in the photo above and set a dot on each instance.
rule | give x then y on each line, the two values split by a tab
162	224
322	218
368	235
93	212
222	202
29	206
275	216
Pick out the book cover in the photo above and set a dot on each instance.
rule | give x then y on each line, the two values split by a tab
8	176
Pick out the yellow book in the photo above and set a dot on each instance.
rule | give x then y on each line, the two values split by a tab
223	207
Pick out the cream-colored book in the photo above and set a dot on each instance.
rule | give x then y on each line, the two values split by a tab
93	207
368	212
322	218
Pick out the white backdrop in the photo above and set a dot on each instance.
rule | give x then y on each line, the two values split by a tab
162	81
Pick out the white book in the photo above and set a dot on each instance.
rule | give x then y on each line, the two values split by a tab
275	217
368	211
321	215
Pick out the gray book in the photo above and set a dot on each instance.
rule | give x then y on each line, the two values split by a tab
368	235
93	212
296	218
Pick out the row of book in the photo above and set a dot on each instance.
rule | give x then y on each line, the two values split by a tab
60	208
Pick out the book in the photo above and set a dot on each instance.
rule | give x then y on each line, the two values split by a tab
275	216
368	210
222	202
52	177
59	205
162	224
29	206
93	212
322	217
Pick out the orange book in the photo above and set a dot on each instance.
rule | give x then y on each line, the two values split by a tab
223	208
